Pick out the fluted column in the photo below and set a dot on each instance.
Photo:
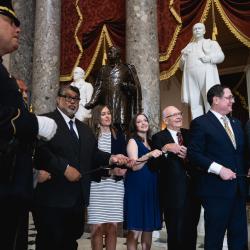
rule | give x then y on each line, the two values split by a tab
142	51
46	62
20	63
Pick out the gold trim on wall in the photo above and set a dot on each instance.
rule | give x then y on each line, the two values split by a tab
164	75
103	36
165	57
64	78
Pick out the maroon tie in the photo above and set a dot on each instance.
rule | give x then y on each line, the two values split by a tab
180	138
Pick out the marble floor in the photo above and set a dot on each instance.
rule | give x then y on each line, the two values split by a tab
84	242
159	240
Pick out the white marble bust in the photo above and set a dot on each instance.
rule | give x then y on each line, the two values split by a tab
86	91
198	62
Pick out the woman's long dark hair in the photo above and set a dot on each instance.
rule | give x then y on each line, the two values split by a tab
133	129
96	121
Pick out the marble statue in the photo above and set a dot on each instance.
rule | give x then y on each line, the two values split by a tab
86	91
117	85
200	73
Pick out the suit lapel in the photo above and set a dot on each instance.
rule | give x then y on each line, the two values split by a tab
65	131
219	129
168	136
82	136
80	132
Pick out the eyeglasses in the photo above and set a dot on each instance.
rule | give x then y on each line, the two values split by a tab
229	98
70	98
174	115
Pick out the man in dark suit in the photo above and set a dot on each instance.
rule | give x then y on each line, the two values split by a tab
60	201
217	148
18	131
180	207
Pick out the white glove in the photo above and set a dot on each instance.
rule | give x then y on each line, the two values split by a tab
46	127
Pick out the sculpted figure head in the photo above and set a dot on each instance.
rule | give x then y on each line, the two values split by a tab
198	31
114	55
78	74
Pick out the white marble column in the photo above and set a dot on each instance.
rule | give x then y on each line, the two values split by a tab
142	51
20	62
46	60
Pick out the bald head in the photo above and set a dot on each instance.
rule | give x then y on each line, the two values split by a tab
172	117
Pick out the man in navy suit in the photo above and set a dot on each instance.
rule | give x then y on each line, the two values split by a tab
217	148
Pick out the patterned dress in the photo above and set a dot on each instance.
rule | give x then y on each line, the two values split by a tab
106	196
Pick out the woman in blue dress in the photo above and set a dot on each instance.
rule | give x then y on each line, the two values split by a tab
141	201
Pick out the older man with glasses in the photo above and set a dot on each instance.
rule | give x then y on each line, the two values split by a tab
180	207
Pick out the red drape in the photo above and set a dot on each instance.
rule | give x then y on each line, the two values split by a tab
190	12
81	31
87	25
236	15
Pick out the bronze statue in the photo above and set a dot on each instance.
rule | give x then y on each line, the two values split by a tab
117	85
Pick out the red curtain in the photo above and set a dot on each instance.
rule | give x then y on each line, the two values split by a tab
190	12
236	15
87	25
81	28
69	49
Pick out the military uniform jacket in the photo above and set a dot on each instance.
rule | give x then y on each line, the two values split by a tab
15	122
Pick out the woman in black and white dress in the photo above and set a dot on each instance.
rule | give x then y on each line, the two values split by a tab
105	208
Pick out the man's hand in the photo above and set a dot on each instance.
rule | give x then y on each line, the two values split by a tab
119	160
43	176
248	173
183	152
72	174
227	174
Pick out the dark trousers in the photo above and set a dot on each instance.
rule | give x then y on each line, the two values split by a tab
181	224
13	223
223	214
58	228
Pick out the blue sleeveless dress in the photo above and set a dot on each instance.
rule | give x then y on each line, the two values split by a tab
141	200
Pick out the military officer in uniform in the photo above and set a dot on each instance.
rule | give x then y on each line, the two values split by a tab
18	131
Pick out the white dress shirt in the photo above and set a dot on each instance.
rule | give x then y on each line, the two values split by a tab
67	119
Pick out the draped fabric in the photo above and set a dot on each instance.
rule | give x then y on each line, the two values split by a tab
89	26
189	12
236	15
